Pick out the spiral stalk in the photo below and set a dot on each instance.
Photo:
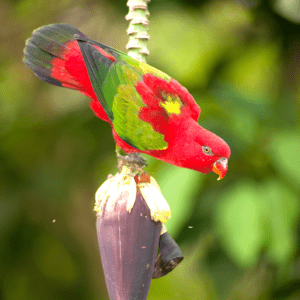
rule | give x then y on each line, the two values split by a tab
138	29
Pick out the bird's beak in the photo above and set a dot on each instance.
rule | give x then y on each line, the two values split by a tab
220	167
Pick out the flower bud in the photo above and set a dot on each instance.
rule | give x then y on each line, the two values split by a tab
130	212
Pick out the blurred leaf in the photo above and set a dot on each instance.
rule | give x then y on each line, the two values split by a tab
239	221
243	125
179	187
289	9
254	72
230	96
251	218
52	259
285	149
17	285
203	39
191	280
9	212
282	214
181	62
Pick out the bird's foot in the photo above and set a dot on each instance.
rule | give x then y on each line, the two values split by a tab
134	160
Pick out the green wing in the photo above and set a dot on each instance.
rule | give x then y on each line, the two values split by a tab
114	84
126	106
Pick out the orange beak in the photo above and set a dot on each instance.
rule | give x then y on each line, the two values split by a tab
220	167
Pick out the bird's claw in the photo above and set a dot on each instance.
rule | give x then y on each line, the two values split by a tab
132	159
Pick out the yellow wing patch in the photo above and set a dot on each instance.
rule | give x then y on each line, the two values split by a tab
172	104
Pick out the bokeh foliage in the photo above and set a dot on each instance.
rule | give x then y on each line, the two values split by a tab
240	236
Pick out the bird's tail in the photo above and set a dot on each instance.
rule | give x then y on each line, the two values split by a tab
55	57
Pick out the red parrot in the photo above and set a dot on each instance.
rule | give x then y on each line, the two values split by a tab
149	112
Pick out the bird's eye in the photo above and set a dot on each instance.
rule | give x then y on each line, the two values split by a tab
206	150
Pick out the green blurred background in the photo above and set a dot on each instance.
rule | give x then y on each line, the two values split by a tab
240	236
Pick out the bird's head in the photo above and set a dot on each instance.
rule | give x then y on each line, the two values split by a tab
214	153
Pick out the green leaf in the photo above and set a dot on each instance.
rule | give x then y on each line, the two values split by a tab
254	72
243	125
192	281
282	214
239	222
54	261
179	187
251	218
285	150
203	40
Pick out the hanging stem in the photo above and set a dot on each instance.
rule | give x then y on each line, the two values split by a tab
138	29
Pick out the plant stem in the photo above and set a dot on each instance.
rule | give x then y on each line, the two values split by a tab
138	29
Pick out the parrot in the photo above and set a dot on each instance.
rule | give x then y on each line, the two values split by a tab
149	111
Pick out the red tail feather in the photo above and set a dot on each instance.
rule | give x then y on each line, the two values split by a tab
69	69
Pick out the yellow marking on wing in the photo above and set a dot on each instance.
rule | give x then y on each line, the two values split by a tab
172	104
